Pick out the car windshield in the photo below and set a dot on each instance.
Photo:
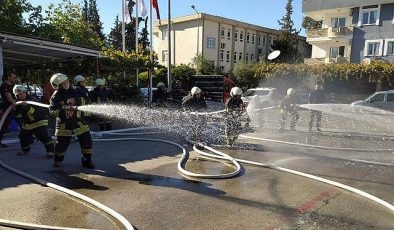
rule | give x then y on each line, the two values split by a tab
250	93
376	98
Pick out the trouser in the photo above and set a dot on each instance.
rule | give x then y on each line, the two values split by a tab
85	142
41	133
232	129
294	118
6	123
198	124
315	114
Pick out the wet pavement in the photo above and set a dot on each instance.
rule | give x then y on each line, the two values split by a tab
140	180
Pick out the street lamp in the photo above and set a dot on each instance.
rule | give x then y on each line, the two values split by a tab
198	36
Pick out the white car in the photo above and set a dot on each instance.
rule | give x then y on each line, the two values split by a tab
261	97
381	99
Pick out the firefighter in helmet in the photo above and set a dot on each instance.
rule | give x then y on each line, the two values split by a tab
159	96
289	105
100	95
69	121
80	82
194	102
33	121
234	110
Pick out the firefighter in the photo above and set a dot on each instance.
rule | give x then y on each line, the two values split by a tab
80	82
195	102
101	95
33	121
234	110
69	121
290	104
316	97
159	96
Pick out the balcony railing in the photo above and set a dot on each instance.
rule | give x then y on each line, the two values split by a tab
331	32
326	60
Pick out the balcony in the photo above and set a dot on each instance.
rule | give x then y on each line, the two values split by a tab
326	60
330	33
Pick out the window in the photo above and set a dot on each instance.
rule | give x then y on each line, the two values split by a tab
221	55
228	34
259	51
246	57
259	39
236	35
264	40
377	98
253	38
164	34
337	22
228	56
164	55
389	47
211	43
247	37
269	41
390	97
337	52
369	15
235	57
222	33
222	45
241	36
373	48
251	57
222	67
240	56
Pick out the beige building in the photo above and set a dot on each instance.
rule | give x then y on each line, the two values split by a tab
223	41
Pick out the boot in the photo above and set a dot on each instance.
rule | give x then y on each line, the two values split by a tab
108	126
87	163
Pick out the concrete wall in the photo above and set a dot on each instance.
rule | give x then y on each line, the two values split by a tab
211	31
315	5
384	31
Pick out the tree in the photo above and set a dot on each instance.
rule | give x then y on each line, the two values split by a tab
244	73
309	23
94	19
204	66
85	12
143	39
11	15
182	73
67	21
115	36
288	39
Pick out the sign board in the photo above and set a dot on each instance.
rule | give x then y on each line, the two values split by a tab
211	85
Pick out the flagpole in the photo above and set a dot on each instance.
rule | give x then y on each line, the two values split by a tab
169	46
123	28
136	35
150	53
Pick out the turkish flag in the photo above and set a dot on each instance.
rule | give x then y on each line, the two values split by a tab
156	6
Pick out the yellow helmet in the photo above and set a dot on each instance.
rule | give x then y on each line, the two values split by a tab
19	89
57	79
100	81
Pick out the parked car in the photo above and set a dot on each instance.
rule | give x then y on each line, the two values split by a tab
380	99
34	90
261	97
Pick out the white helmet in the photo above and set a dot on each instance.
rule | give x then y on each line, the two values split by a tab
78	78
290	91
100	81
19	89
57	79
235	91
161	85
195	90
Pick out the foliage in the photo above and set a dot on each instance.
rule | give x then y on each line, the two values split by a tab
244	74
67	20
309	23
91	16
182	73
203	65
288	39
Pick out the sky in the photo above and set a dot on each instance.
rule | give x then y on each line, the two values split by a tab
264	13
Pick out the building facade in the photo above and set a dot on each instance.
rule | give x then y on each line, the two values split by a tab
351	30
224	42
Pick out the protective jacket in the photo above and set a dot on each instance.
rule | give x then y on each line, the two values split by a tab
317	97
31	116
68	125
195	104
99	95
289	102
